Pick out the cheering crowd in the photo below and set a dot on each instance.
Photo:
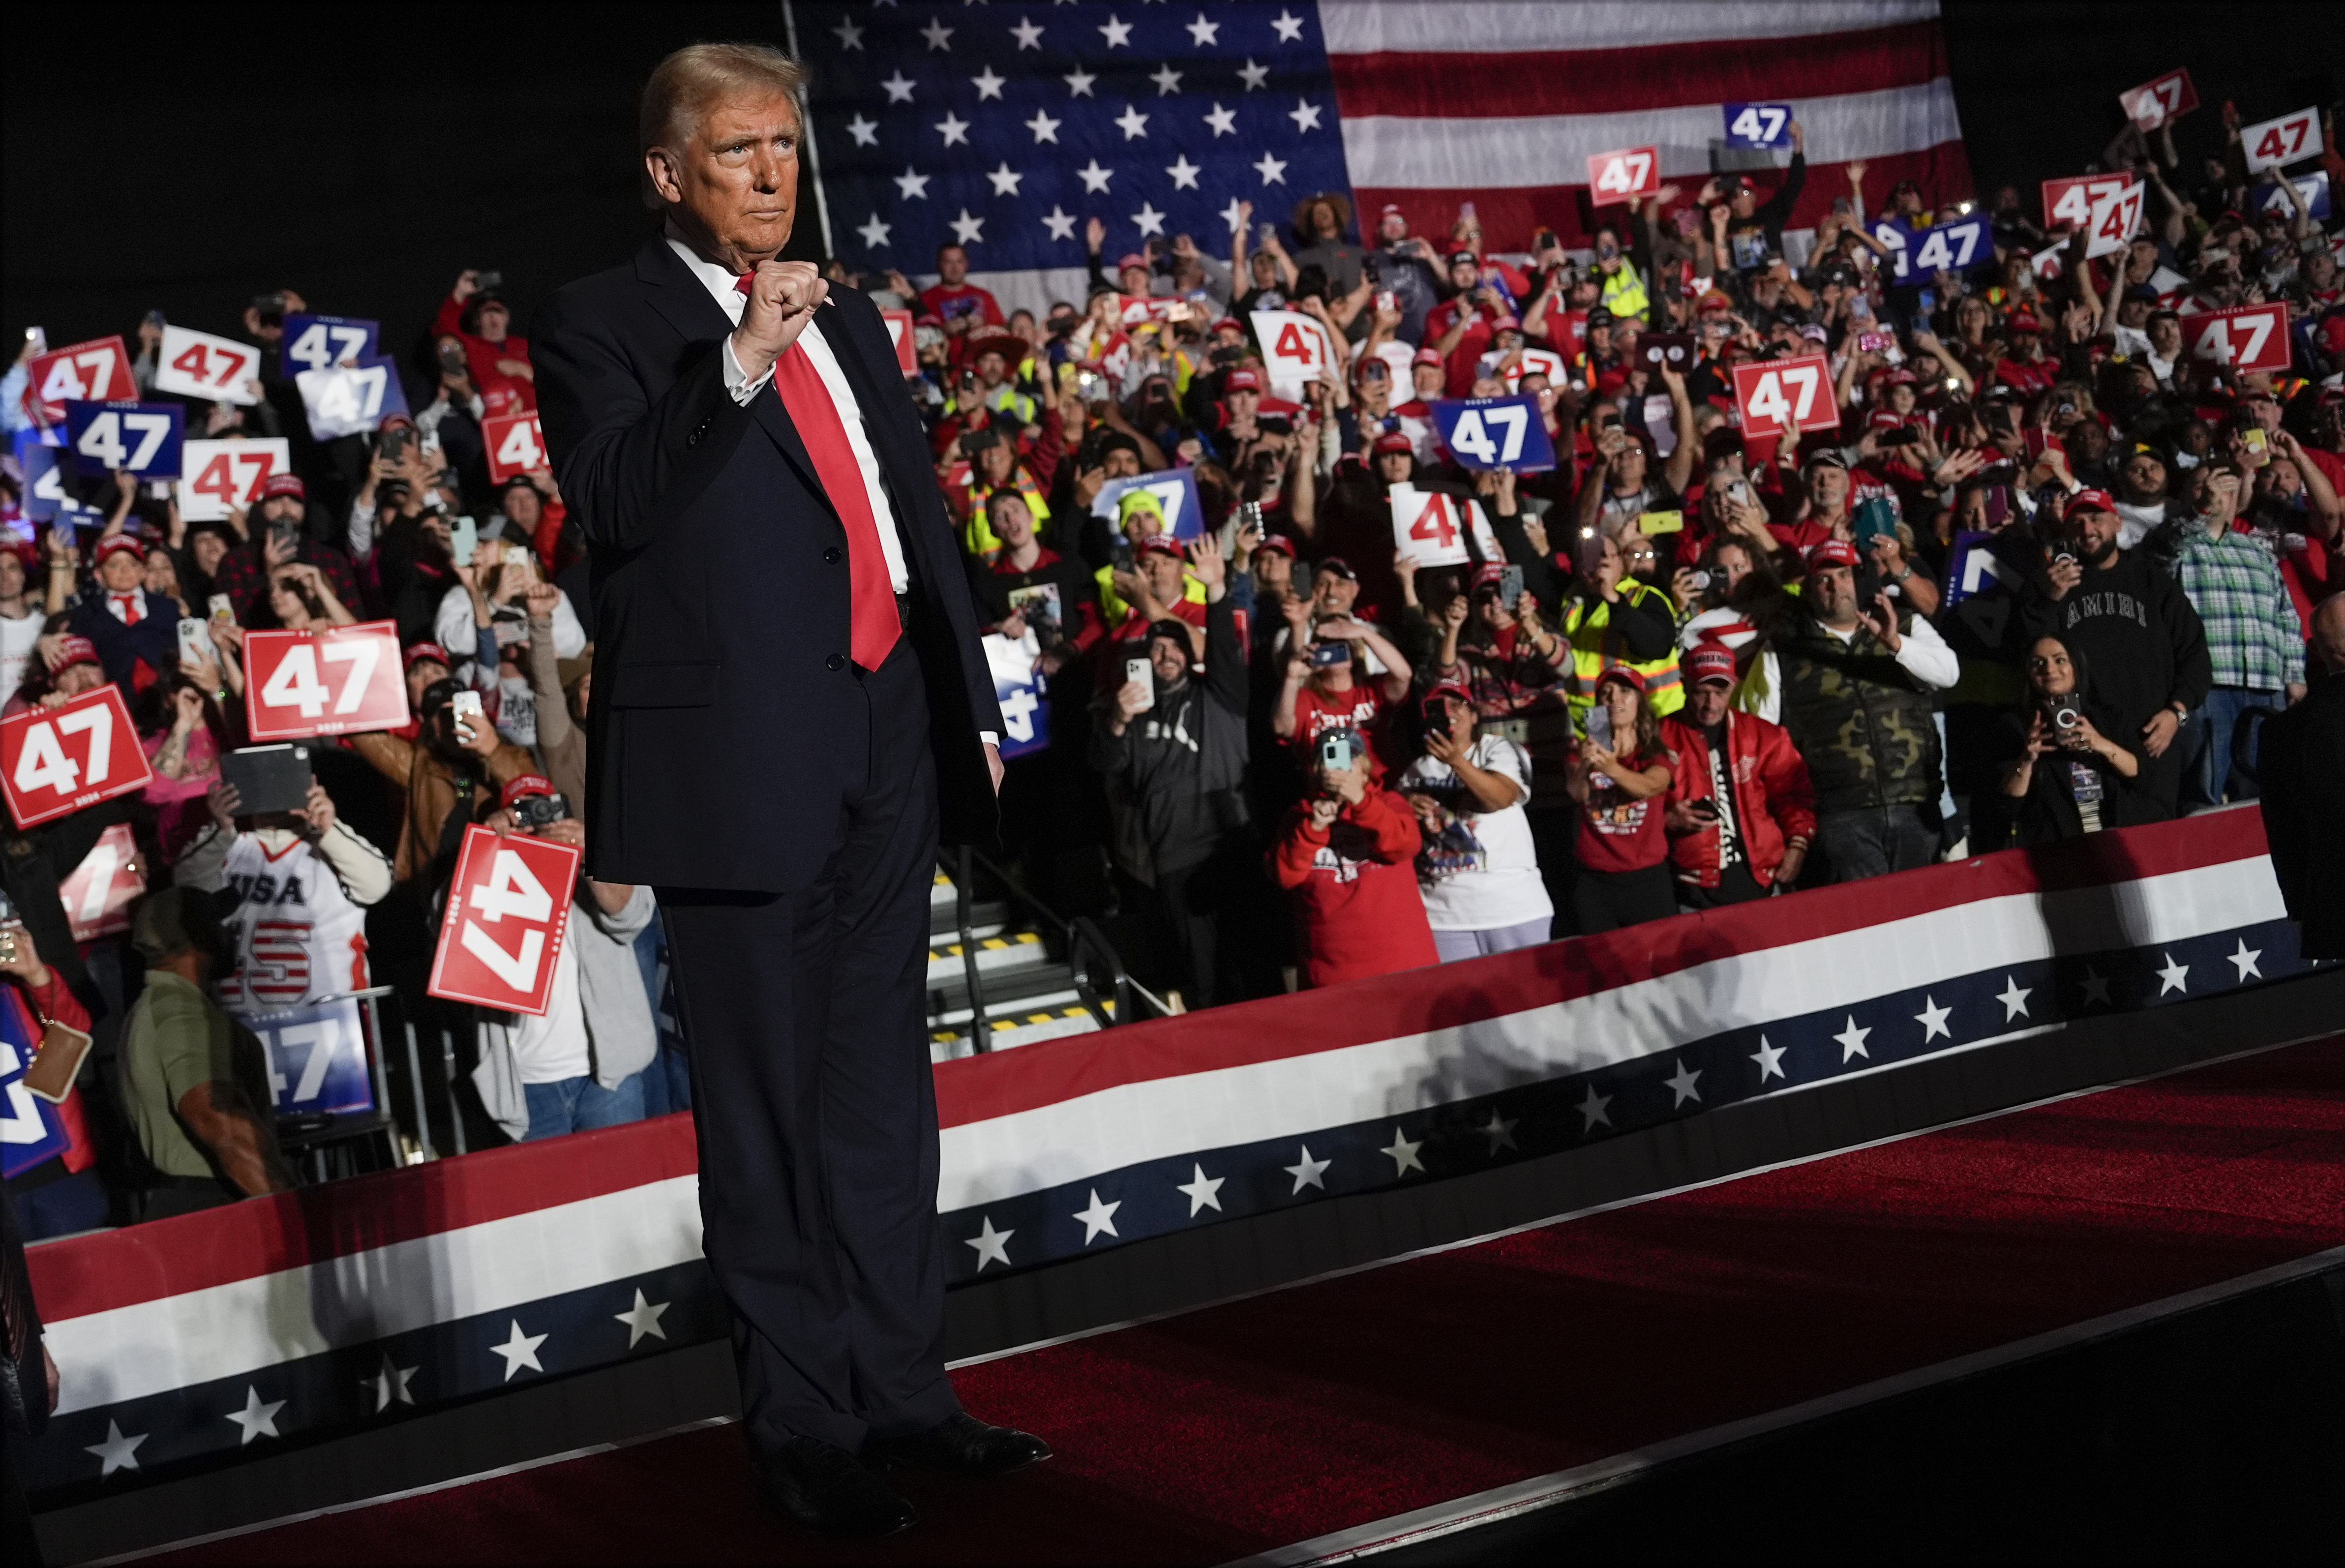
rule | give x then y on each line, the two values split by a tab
2040	571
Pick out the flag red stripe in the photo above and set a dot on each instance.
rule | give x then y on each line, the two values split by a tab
1613	81
1510	216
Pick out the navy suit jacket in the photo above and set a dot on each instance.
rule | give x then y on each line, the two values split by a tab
720	587
156	637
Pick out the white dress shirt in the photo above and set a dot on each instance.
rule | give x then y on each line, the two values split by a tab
720	285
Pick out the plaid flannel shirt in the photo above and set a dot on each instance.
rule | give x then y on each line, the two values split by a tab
2253	637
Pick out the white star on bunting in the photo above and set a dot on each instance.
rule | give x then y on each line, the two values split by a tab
1933	1020
1059	222
1202	32
875	233
2013	997
1593	1108
849	36
1149	221
937	34
1306	116
2245	958
900	89
1079	83
117	1452
643	1318
988	85
1167	80
1099	1216
1044	128
1501	1134
1223	121
865	132
1202	1191
1132	123
1005	179
1289	25
1233	214
520	1350
1403	1154
2097	987
1094	177
1272	169
992	1246
2174	976
389	1384
1852	1042
911	186
1256	78
1770	1059
955	129
259	1417
1117	34
1309	1173
967	229
1029	35
1682	1085
1184	173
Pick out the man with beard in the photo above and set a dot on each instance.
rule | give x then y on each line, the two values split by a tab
2135	627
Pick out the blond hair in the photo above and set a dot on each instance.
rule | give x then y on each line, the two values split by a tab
688	83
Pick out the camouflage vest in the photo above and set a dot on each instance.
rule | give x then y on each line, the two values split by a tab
1862	724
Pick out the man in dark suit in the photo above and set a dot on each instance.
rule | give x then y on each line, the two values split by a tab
129	626
2301	771
790	702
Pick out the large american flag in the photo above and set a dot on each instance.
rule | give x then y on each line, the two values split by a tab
1004	125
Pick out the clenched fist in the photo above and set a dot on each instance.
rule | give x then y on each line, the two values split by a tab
782	300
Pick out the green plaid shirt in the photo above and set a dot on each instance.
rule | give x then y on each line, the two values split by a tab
2253	637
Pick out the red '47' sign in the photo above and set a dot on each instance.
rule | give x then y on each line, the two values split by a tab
899	333
100	893
507	908
95	372
1776	396
2071	200
516	445
333	682
2152	104
1617	175
2245	337
56	761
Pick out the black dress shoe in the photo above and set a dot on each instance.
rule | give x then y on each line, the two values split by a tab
824	1487
960	1444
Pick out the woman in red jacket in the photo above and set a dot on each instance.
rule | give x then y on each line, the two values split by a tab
1348	854
1740	810
1618	774
60	1194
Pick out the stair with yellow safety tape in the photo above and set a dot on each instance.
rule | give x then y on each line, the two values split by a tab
1028	992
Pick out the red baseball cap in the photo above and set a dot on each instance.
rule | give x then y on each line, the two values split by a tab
1449	690
1709	663
114	544
524	785
417	652
1624	675
1159	545
1394	441
1833	552
1715	299
1241	381
277	484
1131	259
72	650
2087	500
1276	545
1427	357
2022	321
1231	322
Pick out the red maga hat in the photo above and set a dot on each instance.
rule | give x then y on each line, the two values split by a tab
1833	552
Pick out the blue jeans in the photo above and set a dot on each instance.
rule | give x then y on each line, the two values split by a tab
581	1105
2210	773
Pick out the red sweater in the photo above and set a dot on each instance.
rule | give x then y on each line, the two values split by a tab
55	1003
1773	801
481	356
1357	910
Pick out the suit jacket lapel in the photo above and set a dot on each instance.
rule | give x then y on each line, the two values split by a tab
898	470
681	300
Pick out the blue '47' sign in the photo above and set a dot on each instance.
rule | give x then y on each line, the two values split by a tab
140	438
1494	433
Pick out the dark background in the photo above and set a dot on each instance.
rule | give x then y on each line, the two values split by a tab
197	159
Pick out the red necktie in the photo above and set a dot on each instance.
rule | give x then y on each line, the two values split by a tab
872	599
129	603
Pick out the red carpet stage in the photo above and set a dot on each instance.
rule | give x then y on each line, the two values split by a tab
1323	1409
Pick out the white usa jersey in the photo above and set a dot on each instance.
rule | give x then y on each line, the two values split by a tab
295	934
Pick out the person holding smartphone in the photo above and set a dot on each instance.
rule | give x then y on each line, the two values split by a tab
1347	854
1741	811
1478	870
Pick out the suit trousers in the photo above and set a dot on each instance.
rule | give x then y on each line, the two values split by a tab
816	1110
